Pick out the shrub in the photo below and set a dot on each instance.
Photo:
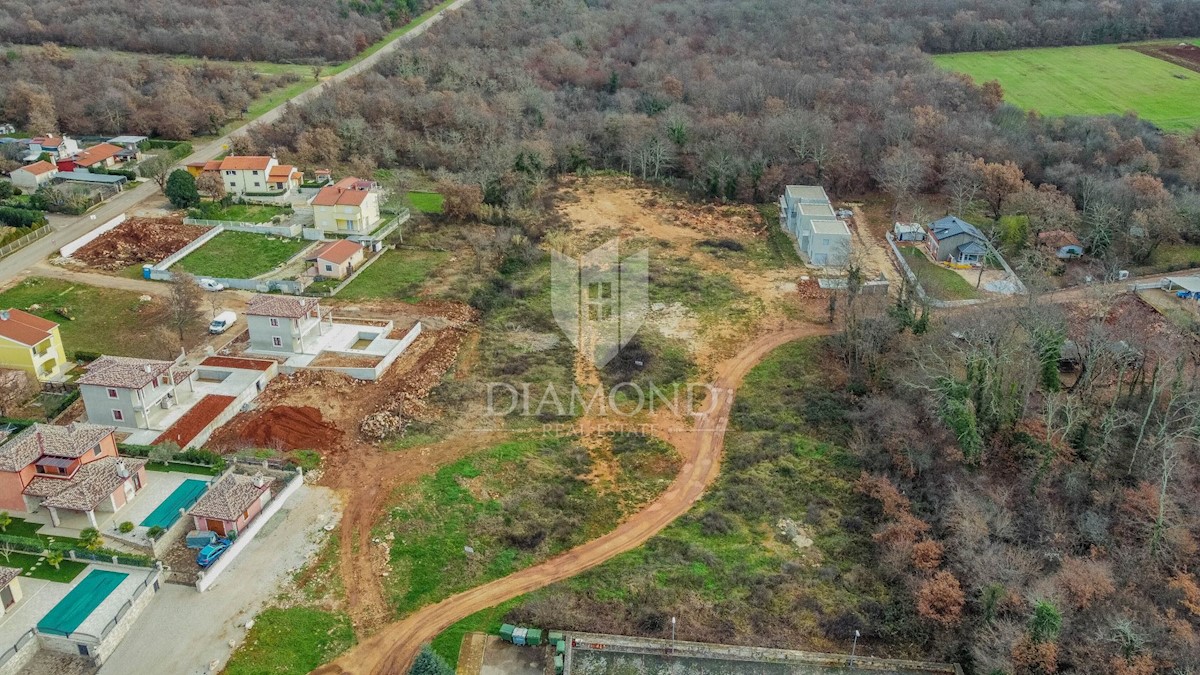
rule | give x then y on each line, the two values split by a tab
55	558
16	217
90	539
181	189
85	356
126	527
307	459
155	532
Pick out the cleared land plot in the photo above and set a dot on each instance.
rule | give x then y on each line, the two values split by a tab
397	275
1095	80
293	640
608	662
103	320
239	255
939	282
245	213
426	202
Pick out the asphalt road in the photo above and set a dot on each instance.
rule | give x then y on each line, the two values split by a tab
68	230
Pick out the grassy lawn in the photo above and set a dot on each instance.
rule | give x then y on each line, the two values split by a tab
397	275
1095	80
515	504
426	202
939	282
240	255
291	641
1177	255
67	570
245	213
105	320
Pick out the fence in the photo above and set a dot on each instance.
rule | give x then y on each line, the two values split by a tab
70	249
196	243
915	283
9	664
18	244
346	282
209	576
286	230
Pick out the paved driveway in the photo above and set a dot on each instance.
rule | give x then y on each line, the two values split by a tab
183	632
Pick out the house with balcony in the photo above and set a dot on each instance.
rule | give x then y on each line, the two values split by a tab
169	401
71	473
955	241
58	147
32	344
349	206
304	335
252	174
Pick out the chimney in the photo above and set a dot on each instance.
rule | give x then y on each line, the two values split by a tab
41	441
259	480
147	368
4	315
122	471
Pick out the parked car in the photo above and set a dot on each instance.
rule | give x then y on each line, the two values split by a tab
209	554
222	322
211	285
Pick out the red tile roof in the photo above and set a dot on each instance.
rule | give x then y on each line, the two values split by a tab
336	196
39	168
245	163
281	170
337	252
25	328
97	154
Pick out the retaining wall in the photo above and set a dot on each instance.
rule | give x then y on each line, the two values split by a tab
16	657
281	230
209	577
196	243
70	249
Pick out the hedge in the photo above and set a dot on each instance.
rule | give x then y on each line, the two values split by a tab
177	149
16	217
132	176
204	457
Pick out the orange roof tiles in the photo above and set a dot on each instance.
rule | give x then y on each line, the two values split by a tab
337	252
245	163
25	328
97	154
336	196
39	168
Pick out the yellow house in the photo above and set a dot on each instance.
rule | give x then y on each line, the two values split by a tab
32	344
349	206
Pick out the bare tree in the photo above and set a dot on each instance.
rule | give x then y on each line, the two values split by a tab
183	306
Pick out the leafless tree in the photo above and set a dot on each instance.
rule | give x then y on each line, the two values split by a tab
183	305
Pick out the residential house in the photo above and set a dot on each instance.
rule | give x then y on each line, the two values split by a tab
350	206
250	174
280	323
10	588
337	259
73	468
956	241
323	176
908	232
102	156
32	344
32	176
125	391
232	503
1064	244
58	147
806	213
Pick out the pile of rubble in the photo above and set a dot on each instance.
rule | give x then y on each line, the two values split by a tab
418	379
137	241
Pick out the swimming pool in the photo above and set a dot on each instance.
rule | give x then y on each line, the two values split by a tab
166	513
74	609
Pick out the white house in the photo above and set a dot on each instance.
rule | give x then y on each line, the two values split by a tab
806	214
58	147
255	174
32	176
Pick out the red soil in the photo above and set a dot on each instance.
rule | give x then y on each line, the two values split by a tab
235	362
289	428
193	422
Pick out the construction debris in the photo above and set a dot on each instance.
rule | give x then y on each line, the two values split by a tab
137	241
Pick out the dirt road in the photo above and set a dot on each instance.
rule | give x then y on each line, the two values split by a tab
392	650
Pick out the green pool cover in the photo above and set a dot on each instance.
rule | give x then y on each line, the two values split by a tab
166	513
79	603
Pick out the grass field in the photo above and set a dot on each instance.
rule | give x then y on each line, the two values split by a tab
939	282
291	641
1095	80
239	255
106	320
38	568
426	202
397	275
245	213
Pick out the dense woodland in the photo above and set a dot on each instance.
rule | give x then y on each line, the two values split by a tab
83	92
732	100
296	31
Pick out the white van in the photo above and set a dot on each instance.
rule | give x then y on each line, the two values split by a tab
222	323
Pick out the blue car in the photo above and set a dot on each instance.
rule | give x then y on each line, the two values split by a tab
209	554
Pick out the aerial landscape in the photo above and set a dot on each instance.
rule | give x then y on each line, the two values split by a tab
537	337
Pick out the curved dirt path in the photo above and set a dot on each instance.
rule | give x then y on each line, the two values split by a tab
392	650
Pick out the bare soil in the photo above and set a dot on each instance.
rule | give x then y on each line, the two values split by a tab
138	240
1185	55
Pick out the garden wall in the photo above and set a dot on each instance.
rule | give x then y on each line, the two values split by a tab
70	249
284	230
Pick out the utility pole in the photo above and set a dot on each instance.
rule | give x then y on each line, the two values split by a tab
672	635
854	647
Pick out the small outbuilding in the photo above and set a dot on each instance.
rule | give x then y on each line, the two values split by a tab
337	259
33	176
908	232
1065	244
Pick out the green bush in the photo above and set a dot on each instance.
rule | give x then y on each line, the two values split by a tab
85	356
15	217
155	532
307	459
126	527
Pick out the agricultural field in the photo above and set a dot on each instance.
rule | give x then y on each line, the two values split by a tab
239	255
101	320
1093	80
